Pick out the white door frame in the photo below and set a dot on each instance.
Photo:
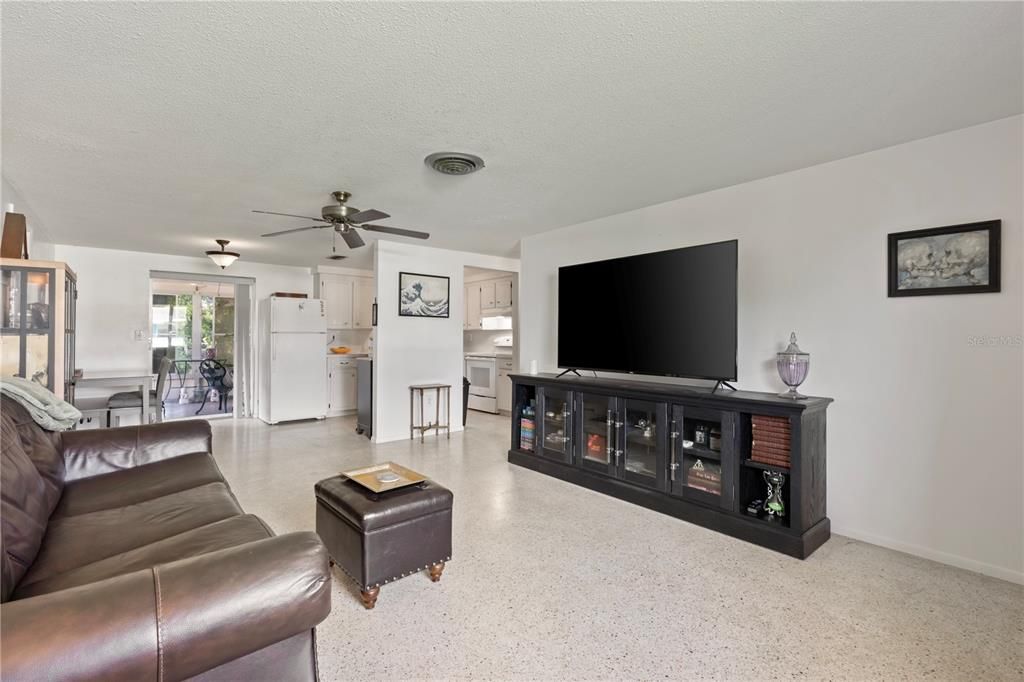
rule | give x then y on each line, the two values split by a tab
248	282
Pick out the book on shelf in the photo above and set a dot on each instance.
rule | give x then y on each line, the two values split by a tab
776	428
769	437
705	487
769	456
769	419
770	431
768	434
706	476
769	450
770	446
771	461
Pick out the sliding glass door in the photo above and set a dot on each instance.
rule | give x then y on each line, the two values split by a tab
193	324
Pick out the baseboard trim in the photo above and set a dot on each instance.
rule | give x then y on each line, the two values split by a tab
954	560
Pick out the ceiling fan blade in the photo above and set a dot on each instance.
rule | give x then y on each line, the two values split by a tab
368	216
396	230
292	215
297	229
352	238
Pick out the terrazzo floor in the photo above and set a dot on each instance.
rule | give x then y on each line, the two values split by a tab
552	581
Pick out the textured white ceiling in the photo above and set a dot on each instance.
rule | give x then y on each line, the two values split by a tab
158	126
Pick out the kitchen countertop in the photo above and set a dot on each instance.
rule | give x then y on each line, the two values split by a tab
487	354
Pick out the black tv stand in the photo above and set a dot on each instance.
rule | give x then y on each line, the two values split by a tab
566	371
703	457
722	384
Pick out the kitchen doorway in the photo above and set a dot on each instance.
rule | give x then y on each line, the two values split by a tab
489	339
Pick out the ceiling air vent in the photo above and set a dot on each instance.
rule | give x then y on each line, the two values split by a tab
454	163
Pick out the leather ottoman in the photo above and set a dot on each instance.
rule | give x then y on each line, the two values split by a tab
379	538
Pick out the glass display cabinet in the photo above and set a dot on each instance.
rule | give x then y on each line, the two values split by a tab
555	421
37	324
642	436
524	419
702	455
597	437
623	437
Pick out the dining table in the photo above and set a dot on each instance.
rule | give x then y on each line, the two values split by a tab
118	378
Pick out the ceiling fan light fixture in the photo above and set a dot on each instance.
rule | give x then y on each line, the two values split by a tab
454	163
223	258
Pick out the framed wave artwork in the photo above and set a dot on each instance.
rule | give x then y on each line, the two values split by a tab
422	295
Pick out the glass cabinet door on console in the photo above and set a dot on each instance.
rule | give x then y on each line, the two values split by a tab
524	418
597	433
702	455
555	421
643	439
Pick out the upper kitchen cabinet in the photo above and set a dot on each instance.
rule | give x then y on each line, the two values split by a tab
472	320
487	295
487	298
336	292
363	292
348	300
503	293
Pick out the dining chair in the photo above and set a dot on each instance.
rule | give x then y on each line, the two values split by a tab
132	400
217	378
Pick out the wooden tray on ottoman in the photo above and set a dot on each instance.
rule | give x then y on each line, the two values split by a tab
369	477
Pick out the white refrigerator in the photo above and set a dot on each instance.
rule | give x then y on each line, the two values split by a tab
293	341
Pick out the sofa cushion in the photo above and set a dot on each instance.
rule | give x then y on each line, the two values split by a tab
96	452
74	541
41	446
231	532
23	509
131	486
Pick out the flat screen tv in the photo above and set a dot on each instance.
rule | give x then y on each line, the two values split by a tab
670	313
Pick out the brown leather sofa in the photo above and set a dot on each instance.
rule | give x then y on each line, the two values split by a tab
126	557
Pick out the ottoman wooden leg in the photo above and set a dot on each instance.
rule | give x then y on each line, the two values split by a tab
435	571
369	597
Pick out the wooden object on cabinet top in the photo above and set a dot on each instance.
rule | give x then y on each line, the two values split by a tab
14	243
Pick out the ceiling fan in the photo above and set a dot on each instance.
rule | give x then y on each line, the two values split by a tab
344	219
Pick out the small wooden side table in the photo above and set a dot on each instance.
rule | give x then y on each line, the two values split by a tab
424	425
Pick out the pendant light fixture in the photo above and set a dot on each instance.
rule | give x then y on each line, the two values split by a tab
223	258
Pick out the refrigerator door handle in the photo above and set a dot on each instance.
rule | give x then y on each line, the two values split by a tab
273	346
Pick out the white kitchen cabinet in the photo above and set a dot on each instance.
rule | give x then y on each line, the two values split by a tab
343	289
363	291
341	385
348	300
503	293
487	290
504	366
336	292
473	307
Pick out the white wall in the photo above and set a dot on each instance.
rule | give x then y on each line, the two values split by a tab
113	298
411	350
925	436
